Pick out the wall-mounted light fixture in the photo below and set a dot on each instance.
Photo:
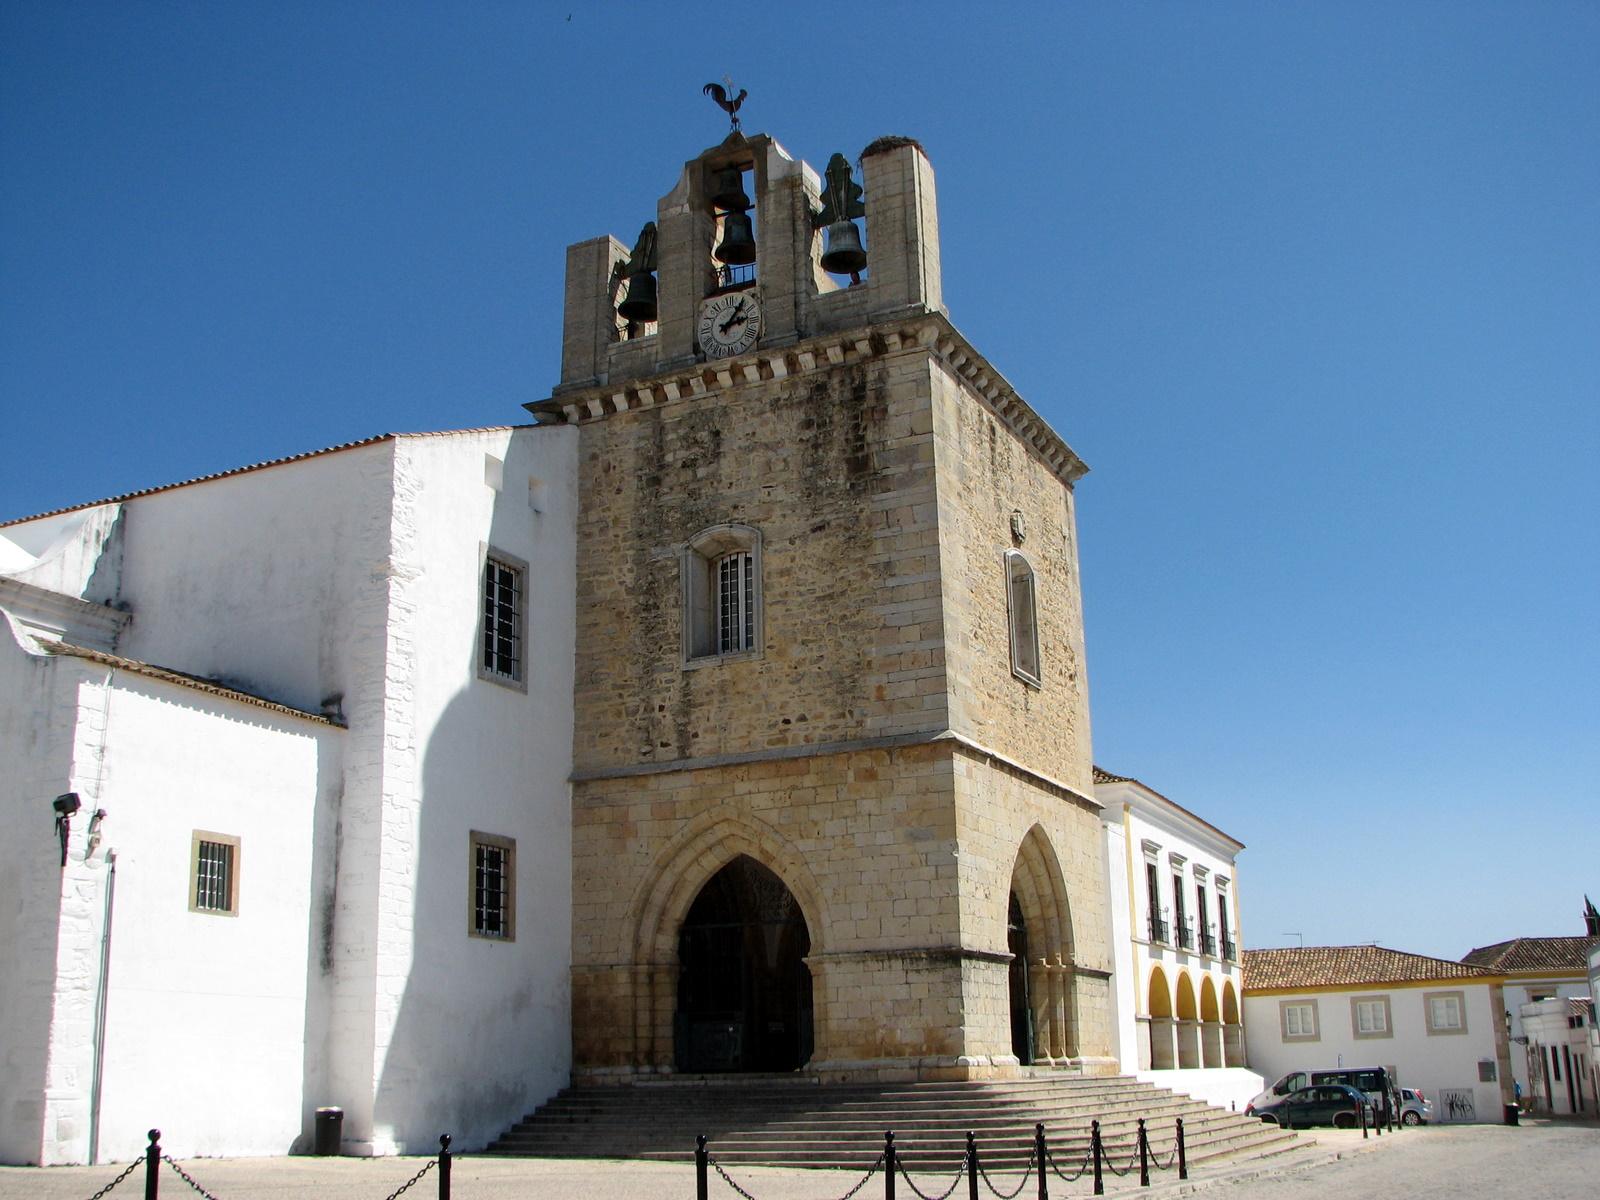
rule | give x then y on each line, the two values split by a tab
94	833
65	805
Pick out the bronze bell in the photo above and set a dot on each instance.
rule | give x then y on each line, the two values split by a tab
738	245
728	195
844	255
640	302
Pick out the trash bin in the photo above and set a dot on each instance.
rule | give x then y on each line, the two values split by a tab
330	1127
1511	1114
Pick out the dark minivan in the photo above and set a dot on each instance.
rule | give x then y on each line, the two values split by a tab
1376	1082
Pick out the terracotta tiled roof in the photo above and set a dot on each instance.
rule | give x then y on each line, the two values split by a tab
1101	775
208	686
1536	954
1356	966
271	462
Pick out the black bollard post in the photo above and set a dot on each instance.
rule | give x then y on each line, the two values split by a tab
1096	1150
972	1167
1388	1111
1363	1110
1039	1159
1377	1117
444	1166
152	1166
701	1158
1183	1154
1288	1116
889	1165
1144	1156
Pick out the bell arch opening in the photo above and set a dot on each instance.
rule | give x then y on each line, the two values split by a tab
744	990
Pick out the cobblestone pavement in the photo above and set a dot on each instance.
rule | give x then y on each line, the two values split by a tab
1537	1161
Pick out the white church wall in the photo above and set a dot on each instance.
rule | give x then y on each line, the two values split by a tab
36	728
1126	990
206	1017
468	1033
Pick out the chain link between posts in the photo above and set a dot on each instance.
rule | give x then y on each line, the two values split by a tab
413	1181
961	1173
731	1182
126	1171
1088	1156
185	1176
1026	1175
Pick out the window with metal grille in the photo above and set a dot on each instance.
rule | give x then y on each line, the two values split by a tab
494	881
1023	618
736	602
721	573
504	613
214	873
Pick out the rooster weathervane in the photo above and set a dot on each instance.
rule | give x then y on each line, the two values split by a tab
721	95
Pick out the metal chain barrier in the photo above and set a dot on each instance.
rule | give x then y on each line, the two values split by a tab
1112	1167
185	1176
961	1172
860	1183
408	1184
1026	1175
128	1170
728	1179
1076	1175
1172	1159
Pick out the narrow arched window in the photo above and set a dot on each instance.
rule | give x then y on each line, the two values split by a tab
1023	618
721	569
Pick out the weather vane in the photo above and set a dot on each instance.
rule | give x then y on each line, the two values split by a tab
720	94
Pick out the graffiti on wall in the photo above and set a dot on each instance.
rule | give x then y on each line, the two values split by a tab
1455	1104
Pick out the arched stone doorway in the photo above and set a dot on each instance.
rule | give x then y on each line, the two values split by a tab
1042	972
744	991
1021	1011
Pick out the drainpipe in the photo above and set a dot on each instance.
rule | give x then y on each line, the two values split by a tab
100	1010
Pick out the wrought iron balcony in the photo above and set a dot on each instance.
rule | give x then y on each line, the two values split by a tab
1208	944
1158	929
1229	950
1185	936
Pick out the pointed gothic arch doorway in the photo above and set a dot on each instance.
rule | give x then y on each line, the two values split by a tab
1021	1010
744	991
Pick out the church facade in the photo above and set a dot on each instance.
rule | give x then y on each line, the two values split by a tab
731	717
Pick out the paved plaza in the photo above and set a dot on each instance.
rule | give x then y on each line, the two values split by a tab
1543	1160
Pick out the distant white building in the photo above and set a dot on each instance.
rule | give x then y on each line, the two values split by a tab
1173	881
309	726
1559	1056
1539	968
1436	1025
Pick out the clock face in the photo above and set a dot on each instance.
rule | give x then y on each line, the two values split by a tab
729	324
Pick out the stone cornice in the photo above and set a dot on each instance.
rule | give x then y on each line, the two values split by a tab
56	615
929	332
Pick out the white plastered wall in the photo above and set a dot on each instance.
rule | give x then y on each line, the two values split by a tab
1431	1062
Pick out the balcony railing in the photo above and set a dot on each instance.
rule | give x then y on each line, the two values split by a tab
1158	929
1229	950
1208	944
1185	936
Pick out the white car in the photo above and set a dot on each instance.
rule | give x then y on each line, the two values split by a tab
1415	1108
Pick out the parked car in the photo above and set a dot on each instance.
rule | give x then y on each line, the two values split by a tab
1374	1081
1334	1104
1415	1108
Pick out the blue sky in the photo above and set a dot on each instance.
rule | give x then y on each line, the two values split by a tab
1314	289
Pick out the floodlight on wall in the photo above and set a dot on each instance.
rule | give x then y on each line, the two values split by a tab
65	805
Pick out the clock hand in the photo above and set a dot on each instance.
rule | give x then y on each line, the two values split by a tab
734	318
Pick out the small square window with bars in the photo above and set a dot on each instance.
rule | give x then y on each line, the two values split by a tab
493	886
503	614
214	873
736	602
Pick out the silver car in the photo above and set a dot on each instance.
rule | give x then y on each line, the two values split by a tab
1415	1108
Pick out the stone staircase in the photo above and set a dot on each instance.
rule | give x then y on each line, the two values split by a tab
797	1121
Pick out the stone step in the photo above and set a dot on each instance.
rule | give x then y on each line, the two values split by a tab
796	1121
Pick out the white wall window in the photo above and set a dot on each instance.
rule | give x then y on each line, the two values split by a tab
1298	1020
1446	1011
1023	615
494	886
504	619
214	873
1369	1016
721	569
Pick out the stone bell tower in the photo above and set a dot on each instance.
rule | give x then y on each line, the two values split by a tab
832	794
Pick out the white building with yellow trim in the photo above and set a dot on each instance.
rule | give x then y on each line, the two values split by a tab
1174	883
